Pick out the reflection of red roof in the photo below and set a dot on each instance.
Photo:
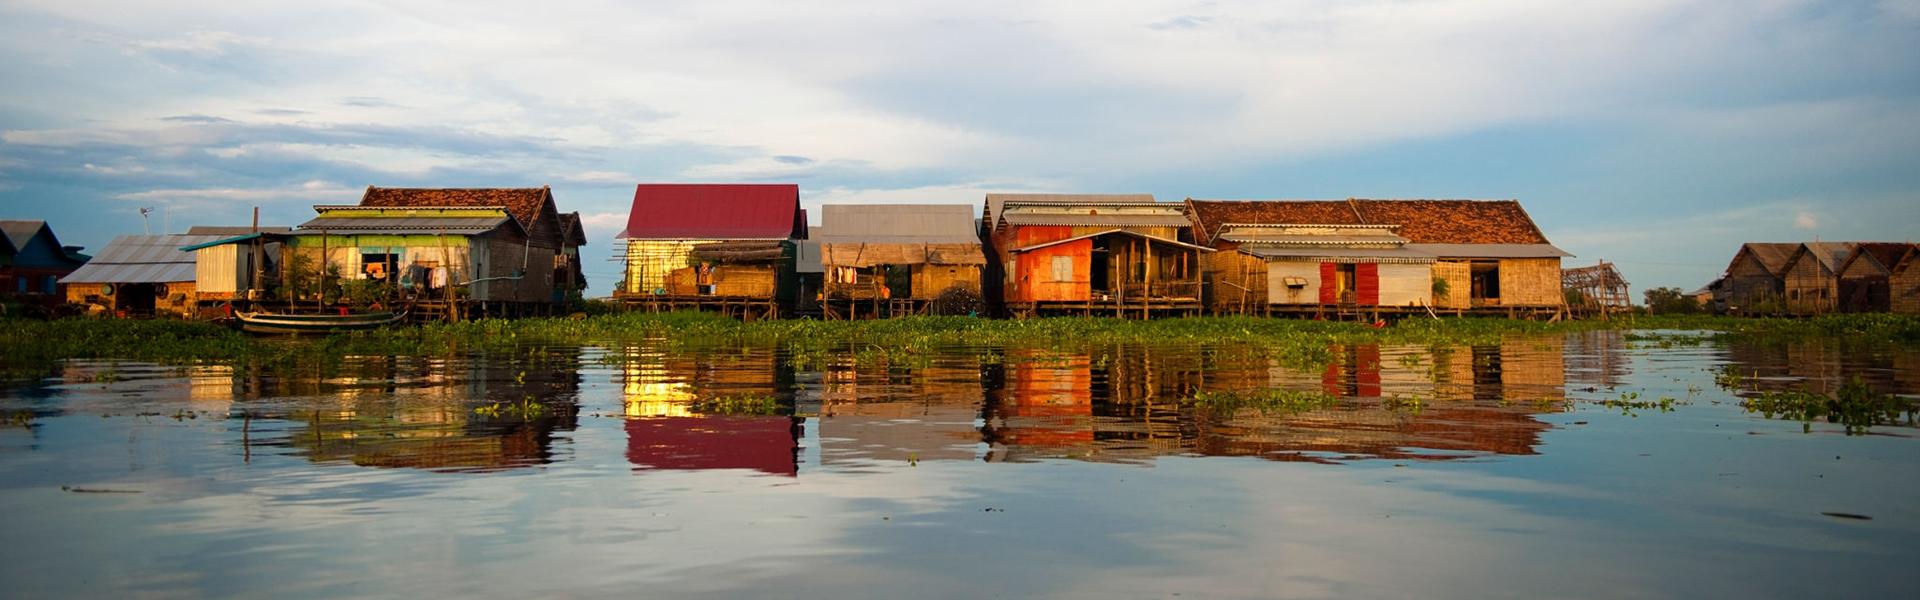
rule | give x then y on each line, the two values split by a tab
687	211
764	444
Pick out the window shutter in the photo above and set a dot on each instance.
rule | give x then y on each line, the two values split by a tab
1329	282
1368	288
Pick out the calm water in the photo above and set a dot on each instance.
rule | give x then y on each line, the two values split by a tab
1466	472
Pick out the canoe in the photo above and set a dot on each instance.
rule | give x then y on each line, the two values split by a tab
257	322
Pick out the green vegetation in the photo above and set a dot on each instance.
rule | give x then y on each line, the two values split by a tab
29	348
737	405
1856	406
1671	301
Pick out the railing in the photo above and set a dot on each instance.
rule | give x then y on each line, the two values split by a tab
1129	292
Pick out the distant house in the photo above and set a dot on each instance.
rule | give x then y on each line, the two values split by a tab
498	245
913	253
139	275
1755	280
1377	253
1093	254
1865	276
713	242
1903	283
574	281
32	261
1812	277
471	253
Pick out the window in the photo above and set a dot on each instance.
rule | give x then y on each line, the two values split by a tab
1062	268
50	285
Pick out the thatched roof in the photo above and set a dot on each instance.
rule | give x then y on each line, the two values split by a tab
740	252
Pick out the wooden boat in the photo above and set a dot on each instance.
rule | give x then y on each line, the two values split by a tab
260	322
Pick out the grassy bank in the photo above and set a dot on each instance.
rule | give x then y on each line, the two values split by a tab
27	345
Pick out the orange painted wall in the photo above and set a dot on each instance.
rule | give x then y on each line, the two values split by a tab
1032	273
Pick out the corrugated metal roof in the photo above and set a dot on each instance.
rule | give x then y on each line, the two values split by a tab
233	230
1337	254
676	211
1491	250
141	259
1123	220
897	224
1112	231
995	201
405	225
1276	237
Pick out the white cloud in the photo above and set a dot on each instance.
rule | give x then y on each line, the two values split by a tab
303	191
1806	220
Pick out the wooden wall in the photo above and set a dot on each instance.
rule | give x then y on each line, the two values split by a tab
1239	281
1033	274
1458	274
1531	282
1863	287
929	281
740	281
1810	287
1749	284
1903	289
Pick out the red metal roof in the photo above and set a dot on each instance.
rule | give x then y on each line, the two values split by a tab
696	211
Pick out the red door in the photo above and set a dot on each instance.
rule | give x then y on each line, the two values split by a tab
1368	286
1329	283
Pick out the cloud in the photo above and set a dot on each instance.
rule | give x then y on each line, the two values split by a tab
304	191
198	42
196	119
111	171
1806	220
1181	22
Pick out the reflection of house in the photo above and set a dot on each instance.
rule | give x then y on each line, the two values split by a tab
1865	276
32	261
1378	253
1104	254
914	253
880	414
768	444
1043	400
1754	278
139	275
747	229
1812	277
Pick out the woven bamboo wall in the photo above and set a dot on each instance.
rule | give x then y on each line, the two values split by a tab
1238	279
748	281
930	280
1530	282
1810	287
1904	289
1459	284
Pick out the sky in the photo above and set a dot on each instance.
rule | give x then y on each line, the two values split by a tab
1658	135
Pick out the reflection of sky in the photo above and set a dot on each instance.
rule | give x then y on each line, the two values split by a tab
1703	501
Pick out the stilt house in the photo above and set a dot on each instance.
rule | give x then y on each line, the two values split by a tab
1755	281
1865	276
1120	255
1903	283
726	246
139	275
898	258
472	253
1812	277
32	261
1376	255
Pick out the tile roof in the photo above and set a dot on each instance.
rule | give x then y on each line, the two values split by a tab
1773	256
897	224
524	204
1097	220
1887	254
141	259
570	225
1420	221
687	211
1454	221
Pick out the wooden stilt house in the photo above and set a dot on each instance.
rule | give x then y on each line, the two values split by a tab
1754	282
729	247
1374	256
476	256
893	259
138	276
1094	254
1865	276
32	261
1812	277
1903	283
